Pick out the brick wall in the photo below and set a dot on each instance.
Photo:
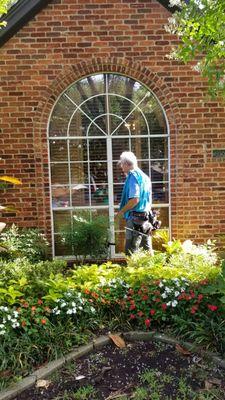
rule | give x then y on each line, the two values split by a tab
73	38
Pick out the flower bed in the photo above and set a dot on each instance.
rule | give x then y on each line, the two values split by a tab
46	309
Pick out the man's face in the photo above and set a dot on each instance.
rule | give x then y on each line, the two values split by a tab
125	168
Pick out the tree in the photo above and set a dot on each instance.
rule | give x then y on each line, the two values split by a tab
200	25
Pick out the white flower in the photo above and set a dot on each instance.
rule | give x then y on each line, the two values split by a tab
69	311
168	304
63	304
74	310
161	284
92	309
174	3
176	293
9	317
168	290
2	332
174	303
187	246
73	304
15	325
15	313
2	326
164	295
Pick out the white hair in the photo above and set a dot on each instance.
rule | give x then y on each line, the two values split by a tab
127	157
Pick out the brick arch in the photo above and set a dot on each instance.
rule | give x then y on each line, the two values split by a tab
73	73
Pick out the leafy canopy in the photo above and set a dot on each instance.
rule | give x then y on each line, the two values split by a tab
200	25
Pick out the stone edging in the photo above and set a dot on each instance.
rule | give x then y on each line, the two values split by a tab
52	366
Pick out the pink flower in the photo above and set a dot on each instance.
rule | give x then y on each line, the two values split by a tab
164	306
132	307
132	316
152	312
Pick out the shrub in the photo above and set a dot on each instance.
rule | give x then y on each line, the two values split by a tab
29	243
87	237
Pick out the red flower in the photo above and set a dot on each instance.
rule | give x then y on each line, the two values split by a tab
145	297
157	300
39	302
26	305
194	309
33	308
43	321
86	291
23	323
140	313
132	307
164	306
147	322
130	291
152	312
132	316
200	297
212	307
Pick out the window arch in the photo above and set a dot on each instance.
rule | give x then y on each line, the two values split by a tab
92	122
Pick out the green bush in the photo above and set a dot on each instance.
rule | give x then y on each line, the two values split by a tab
26	242
88	237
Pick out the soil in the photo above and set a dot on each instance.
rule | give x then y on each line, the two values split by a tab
117	373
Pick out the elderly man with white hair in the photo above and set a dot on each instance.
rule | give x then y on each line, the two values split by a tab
135	204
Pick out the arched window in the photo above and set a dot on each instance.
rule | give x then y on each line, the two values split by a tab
91	124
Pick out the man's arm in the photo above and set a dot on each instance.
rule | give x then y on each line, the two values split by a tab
130	204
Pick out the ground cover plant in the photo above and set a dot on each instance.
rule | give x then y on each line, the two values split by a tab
47	308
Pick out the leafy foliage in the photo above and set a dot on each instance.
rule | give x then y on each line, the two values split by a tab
87	237
29	243
199	25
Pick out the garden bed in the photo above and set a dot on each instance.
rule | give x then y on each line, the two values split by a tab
141	370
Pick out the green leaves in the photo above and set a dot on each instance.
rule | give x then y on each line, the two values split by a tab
201	29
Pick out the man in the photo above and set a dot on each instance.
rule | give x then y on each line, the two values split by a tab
135	204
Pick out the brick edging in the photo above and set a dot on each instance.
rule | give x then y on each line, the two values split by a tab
52	366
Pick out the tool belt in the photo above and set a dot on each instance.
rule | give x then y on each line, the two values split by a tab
141	221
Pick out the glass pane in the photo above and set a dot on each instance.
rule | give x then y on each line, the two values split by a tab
78	150
163	216
159	171
60	196
140	147
144	165
99	195
79	173
98	172
80	195
60	117
97	149
94	106
154	116
58	150
159	147
117	193
160	193
118	146
87	87
118	175
79	124
60	248
61	220
126	87
59	174
134	124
